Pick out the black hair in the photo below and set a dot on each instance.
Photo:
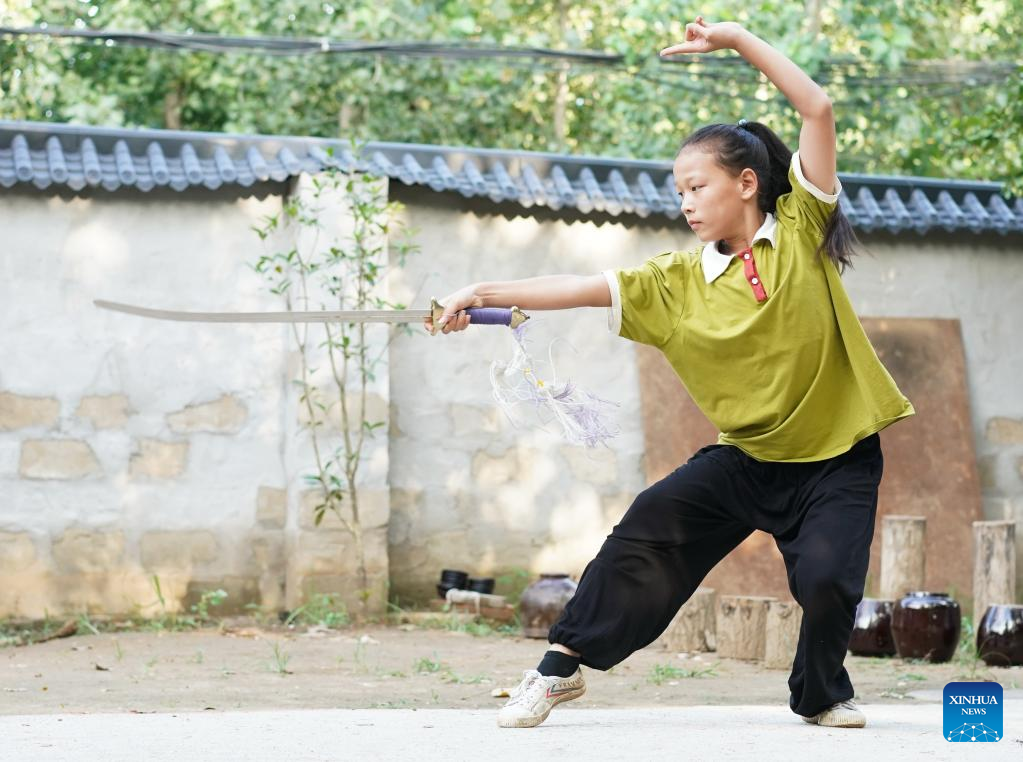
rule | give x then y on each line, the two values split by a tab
756	146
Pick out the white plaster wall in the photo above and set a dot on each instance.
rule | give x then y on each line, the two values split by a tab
178	251
58	256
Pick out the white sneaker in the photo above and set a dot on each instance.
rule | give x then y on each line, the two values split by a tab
844	714
533	698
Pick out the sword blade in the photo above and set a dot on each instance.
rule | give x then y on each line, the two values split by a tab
325	316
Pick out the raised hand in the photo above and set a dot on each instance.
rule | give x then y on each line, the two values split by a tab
702	37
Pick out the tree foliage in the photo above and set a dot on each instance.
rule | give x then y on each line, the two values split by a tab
920	87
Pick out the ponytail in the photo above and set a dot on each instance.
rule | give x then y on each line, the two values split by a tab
755	146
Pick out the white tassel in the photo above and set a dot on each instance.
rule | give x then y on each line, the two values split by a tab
583	417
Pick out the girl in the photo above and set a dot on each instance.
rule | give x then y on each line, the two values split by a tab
759	328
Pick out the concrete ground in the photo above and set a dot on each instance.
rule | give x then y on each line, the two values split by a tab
415	693
894	732
251	669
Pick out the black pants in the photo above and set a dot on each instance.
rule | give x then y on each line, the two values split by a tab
821	515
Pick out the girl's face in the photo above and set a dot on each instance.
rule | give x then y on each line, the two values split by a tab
714	201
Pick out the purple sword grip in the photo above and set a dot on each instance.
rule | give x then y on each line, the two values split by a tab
489	316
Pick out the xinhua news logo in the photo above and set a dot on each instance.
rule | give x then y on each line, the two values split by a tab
973	712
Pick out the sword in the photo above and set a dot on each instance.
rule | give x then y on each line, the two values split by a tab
512	317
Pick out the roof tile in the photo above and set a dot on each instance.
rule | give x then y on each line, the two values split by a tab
55	160
44	155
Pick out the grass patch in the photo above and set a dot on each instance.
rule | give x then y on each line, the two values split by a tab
452	677
434	666
661	673
280	661
402	703
17	632
910	676
427	666
967	657
323	610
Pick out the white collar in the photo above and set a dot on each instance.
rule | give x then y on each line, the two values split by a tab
715	263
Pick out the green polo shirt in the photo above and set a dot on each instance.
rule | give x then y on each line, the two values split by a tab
791	377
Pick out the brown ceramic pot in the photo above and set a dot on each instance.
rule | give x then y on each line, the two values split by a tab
542	603
1000	636
872	630
926	626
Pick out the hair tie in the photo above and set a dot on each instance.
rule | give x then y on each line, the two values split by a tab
741	123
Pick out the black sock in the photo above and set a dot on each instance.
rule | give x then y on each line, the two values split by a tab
557	664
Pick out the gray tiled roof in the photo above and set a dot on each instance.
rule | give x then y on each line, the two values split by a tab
45	154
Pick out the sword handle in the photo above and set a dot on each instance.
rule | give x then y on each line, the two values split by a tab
512	317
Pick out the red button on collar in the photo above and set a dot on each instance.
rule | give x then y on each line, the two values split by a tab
749	265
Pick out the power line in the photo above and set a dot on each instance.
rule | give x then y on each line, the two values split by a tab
299	46
685	72
915	72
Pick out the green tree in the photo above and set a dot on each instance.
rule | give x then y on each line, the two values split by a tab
319	267
913	82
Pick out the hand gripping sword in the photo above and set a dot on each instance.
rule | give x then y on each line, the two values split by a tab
512	317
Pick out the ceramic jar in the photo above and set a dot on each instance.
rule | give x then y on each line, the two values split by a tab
872	629
451	578
483	585
542	603
1000	636
926	626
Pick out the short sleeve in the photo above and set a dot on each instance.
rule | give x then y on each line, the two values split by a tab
646	301
807	204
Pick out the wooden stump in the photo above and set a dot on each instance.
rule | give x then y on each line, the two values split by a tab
783	620
742	626
994	565
694	627
902	555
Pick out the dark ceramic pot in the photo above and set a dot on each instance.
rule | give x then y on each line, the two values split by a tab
542	603
451	578
483	585
454	576
926	626
1000	636
872	630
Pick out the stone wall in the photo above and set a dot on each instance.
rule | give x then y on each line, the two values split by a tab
470	491
134	449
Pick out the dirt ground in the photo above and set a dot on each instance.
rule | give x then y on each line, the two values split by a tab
409	666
